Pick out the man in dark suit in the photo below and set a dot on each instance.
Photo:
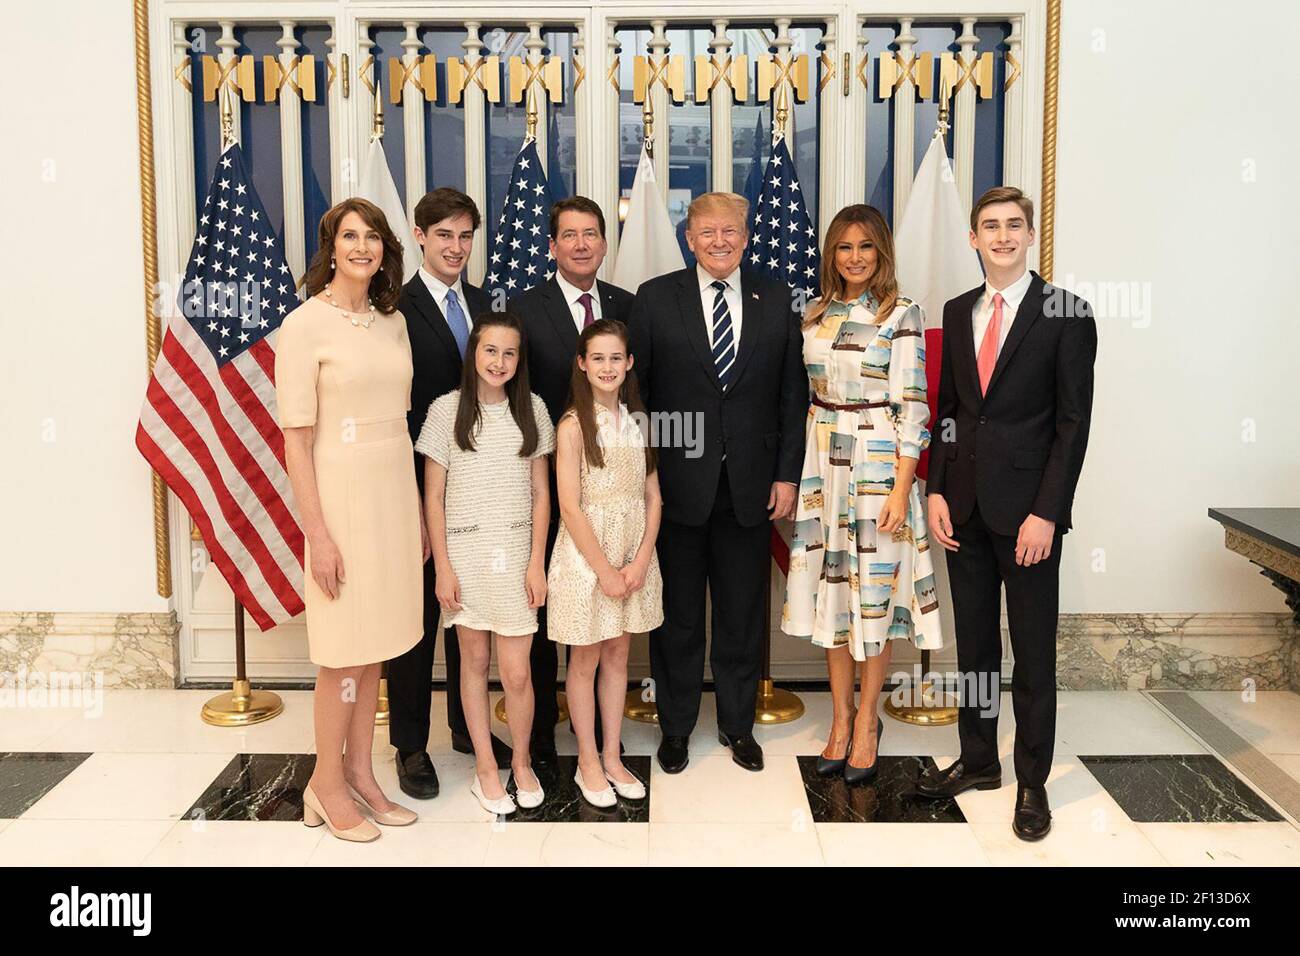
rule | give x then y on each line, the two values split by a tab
719	359
553	314
439	308
1015	401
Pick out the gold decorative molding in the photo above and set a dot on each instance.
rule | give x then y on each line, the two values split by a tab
1262	553
149	228
1013	71
895	70
300	75
667	71
484	72
791	71
547	73
712	70
1051	78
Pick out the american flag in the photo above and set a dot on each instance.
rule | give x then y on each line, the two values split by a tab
208	426
521	249
782	240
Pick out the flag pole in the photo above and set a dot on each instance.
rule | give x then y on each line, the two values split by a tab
241	705
927	706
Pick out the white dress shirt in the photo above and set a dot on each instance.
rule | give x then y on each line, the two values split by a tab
734	303
440	290
572	294
982	313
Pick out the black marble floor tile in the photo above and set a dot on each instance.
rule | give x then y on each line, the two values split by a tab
26	777
890	798
564	804
256	787
1190	788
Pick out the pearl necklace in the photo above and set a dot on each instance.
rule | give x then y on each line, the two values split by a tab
363	319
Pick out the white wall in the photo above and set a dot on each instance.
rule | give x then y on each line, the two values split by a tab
75	506
1163	105
1153	139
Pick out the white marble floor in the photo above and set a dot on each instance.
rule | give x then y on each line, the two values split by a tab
135	795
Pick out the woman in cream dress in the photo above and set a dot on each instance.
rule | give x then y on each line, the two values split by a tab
343	380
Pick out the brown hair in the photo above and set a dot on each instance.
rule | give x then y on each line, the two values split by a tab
469	413
576	204
443	203
883	283
583	403
386	284
1003	194
706	203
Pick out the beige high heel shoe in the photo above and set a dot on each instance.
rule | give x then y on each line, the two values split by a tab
399	816
313	815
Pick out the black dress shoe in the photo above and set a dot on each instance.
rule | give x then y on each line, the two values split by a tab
958	779
673	754
858	775
542	750
1033	816
500	749
744	750
416	776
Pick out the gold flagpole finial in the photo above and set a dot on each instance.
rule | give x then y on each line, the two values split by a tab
377	121
531	110
944	94
648	125
227	118
782	111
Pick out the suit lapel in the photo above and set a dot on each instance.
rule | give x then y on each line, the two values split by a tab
751	309
429	311
1031	307
608	308
557	310
692	313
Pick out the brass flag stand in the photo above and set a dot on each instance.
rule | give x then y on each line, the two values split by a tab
241	705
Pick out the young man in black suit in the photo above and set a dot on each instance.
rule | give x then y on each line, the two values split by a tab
1015	401
554	313
439	308
719	359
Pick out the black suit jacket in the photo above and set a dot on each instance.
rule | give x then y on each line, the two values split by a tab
1019	448
433	351
553	336
758	422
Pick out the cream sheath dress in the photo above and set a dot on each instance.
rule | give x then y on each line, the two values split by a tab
352	384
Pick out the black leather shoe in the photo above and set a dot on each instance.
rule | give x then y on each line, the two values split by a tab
744	750
1033	816
958	779
416	776
673	754
856	775
542	751
831	767
500	749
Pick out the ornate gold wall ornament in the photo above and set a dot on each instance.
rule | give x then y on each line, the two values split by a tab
612	75
399	74
668	71
791	71
1051	78
712	70
300	75
956	72
547	74
484	72
1013	71
917	69
239	74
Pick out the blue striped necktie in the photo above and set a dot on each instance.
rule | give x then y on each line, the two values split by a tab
724	341
456	321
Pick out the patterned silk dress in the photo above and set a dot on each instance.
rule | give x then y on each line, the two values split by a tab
847	584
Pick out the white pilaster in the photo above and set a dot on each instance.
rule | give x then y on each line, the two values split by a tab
609	130
182	103
412	129
295	244
658	46
1013	109
227	44
334	98
963	128
363	104
721	101
904	123
855	123
830	131
476	151
582	114
534	45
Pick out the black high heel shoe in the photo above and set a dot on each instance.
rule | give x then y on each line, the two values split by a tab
827	767
855	775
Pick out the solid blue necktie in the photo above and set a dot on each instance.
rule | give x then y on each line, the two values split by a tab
724	347
456	321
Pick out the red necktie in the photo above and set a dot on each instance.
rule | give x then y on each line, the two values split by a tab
988	355
585	299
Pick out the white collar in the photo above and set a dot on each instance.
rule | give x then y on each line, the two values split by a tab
1013	294
439	289
707	279
571	292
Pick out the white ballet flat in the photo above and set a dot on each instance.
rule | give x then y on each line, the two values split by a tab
502	806
529	798
597	798
628	791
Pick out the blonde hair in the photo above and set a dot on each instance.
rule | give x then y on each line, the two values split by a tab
719	203
883	283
